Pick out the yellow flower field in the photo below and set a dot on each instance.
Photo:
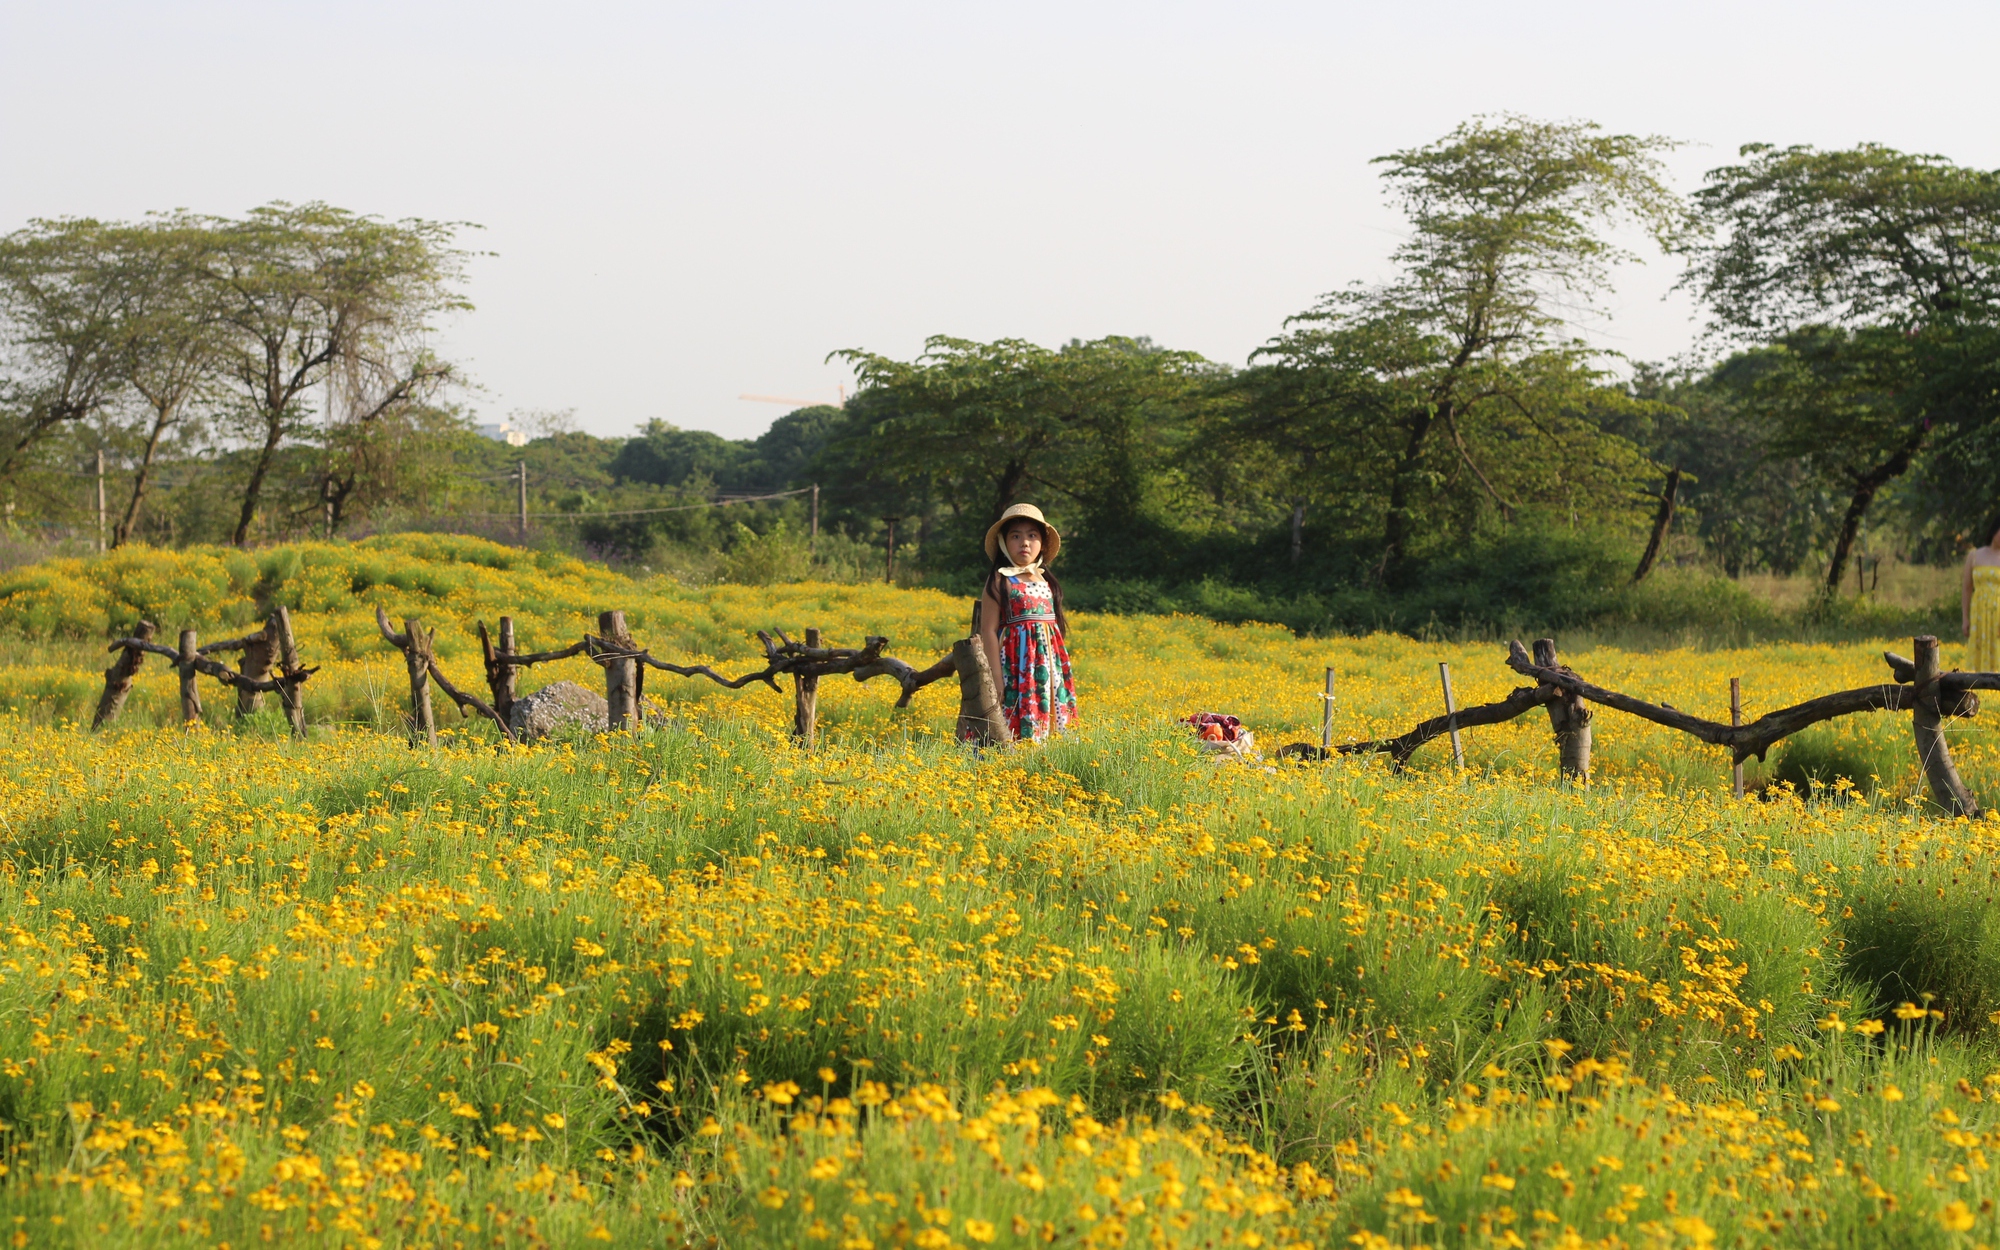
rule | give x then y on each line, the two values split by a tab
693	986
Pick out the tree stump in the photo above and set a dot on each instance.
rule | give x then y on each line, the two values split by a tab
190	693
805	700
1569	718
1927	722
621	672
118	678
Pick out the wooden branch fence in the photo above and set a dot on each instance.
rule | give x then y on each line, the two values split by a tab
1918	687
270	664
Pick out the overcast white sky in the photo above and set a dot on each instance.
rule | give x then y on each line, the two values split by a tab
688	202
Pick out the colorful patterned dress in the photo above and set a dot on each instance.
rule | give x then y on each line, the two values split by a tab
1038	694
1983	639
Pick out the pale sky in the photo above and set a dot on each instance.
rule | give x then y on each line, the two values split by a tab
691	202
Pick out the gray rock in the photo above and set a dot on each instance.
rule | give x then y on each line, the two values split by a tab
554	706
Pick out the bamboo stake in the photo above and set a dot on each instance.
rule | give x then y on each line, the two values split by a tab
1451	714
1735	721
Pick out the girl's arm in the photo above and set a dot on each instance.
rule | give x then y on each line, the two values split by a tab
989	633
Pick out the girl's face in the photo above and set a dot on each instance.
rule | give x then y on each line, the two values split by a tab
1023	541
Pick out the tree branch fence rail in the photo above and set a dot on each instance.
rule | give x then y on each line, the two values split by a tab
1919	687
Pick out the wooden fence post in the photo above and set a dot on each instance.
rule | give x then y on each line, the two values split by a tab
190	693
805	700
1451	712
621	694
1569	718
1326	719
501	676
291	673
118	678
1735	721
417	658
1927	723
255	665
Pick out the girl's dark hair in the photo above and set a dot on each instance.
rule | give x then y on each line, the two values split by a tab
997	593
1985	536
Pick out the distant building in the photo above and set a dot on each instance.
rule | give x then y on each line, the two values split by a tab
503	431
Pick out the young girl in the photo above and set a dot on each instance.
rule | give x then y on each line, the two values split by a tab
1979	603
1021	625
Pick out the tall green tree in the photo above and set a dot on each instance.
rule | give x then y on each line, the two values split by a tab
316	295
1462	374
970	427
65	307
1897	255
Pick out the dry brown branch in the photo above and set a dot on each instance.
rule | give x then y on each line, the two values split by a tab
1400	748
468	703
1755	738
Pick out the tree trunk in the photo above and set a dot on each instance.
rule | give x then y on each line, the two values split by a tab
253	491
121	533
1569	717
1298	528
1865	488
1662	518
118	678
1396	526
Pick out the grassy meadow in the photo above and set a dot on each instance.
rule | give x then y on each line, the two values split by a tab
691	985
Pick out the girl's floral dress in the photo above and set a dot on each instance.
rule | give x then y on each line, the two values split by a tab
1038	694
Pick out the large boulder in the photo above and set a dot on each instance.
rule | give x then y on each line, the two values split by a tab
555	705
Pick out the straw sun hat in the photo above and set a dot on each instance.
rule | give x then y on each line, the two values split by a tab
1052	540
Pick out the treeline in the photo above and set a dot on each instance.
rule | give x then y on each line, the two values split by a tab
1443	442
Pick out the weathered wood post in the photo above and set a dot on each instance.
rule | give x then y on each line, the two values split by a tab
979	716
1451	712
291	673
255	665
1326	719
118	678
417	658
1735	722
621	686
501	675
1569	718
805	700
1927	722
190	693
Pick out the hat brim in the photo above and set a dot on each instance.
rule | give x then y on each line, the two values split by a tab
1051	537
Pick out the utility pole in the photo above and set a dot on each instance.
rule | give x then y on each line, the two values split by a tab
100	501
812	535
521	500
